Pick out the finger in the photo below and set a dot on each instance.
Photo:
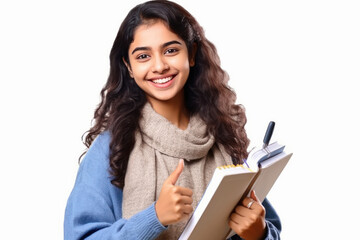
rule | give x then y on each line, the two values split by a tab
242	210
236	218
187	209
176	173
253	196
248	203
183	191
233	225
186	200
257	206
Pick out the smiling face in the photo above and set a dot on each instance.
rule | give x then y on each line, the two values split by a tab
159	62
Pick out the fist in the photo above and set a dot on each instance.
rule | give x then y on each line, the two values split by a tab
248	219
174	203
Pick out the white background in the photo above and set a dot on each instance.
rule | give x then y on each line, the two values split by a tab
293	62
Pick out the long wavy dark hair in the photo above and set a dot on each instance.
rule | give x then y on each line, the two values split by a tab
206	91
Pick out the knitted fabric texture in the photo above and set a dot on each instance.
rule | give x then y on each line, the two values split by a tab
159	147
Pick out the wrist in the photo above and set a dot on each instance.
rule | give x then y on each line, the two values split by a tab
158	215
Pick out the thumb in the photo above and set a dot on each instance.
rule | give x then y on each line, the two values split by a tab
253	196
176	173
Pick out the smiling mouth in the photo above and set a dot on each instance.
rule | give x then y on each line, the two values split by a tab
162	80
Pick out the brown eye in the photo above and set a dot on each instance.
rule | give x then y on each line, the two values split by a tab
142	56
171	51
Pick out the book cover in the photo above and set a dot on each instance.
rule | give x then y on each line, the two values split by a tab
228	186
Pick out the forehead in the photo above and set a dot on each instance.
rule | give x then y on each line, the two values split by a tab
153	34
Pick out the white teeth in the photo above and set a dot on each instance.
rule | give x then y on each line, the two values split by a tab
162	80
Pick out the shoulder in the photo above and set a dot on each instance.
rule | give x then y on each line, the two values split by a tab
100	148
101	144
95	164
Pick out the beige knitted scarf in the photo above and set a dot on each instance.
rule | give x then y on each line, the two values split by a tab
158	148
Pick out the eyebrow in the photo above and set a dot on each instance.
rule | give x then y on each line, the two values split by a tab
148	48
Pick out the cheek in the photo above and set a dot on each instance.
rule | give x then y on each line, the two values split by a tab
186	70
139	71
182	64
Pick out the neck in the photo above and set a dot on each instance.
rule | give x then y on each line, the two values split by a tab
173	110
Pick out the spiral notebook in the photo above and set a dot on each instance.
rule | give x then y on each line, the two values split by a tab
228	186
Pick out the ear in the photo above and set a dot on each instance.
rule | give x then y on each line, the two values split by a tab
193	54
128	67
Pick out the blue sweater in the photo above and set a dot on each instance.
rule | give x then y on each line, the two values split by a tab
93	209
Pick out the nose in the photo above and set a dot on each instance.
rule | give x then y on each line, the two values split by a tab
159	64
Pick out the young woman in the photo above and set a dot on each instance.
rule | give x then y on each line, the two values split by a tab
166	120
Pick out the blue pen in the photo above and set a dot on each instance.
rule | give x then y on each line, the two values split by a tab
244	160
268	134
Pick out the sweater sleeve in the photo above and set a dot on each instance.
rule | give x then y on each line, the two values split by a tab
93	210
273	224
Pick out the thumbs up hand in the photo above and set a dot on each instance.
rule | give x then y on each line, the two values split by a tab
174	203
